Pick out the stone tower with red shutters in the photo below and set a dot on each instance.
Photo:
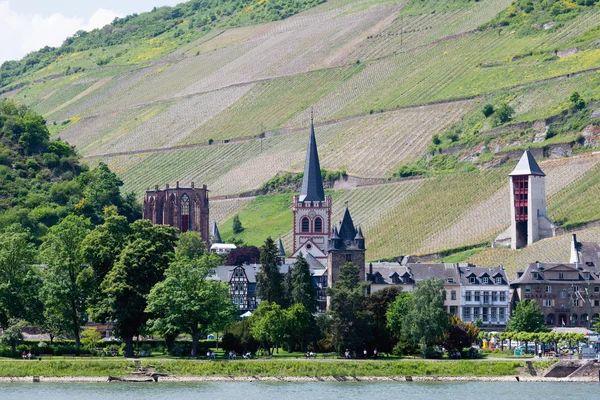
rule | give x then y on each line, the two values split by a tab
528	204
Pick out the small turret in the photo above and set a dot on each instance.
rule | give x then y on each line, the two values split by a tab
359	239
334	239
280	249
215	235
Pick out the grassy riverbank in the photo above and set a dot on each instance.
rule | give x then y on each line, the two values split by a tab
59	368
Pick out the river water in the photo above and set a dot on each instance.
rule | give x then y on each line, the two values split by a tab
301	391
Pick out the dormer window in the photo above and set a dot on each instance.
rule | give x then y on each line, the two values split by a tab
472	279
450	280
485	279
534	275
498	280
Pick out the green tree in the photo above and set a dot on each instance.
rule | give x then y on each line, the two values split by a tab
125	288
187	302
396	315
268	325
19	280
269	285
300	325
303	291
488	110
190	245
12	335
237	225
503	114
350	325
90	339
67	278
102	247
288	289
101	189
427	320
577	101
378	304
527	317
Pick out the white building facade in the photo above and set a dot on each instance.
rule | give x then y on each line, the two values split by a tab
484	295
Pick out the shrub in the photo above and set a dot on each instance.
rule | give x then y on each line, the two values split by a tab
488	110
504	114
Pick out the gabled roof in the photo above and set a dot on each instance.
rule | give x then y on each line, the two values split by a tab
216	236
312	182
527	166
467	271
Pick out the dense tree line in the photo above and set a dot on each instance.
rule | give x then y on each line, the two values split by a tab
42	181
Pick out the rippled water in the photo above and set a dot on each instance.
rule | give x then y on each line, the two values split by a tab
300	391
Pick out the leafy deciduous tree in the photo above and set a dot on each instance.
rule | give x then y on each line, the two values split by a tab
19	280
187	302
125	288
67	279
527	317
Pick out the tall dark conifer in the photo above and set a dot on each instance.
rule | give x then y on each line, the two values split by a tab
269	280
303	291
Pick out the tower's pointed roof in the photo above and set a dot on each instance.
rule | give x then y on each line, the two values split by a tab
359	234
216	236
334	233
312	183
347	230
527	166
280	249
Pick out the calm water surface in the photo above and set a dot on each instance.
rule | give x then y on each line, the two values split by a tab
300	391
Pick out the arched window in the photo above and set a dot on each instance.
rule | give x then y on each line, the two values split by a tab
185	205
318	225
305	224
185	213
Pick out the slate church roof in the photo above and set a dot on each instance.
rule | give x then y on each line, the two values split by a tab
312	182
216	236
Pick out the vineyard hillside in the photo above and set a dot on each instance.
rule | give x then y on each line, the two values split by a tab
425	105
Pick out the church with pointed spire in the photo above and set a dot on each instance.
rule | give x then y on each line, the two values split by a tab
315	234
312	209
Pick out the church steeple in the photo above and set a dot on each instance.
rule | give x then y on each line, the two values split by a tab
312	182
215	235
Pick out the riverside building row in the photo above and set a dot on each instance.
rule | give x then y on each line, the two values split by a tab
567	293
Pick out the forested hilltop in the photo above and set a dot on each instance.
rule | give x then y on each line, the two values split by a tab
42	180
411	99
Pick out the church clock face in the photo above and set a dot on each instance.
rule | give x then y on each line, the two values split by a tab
312	214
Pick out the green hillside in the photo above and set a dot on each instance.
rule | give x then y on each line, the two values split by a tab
220	93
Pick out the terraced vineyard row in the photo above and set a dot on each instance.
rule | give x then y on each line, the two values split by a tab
492	216
175	124
578	203
409	32
556	249
394	138
222	210
100	132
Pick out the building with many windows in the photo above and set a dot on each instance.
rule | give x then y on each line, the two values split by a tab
484	295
